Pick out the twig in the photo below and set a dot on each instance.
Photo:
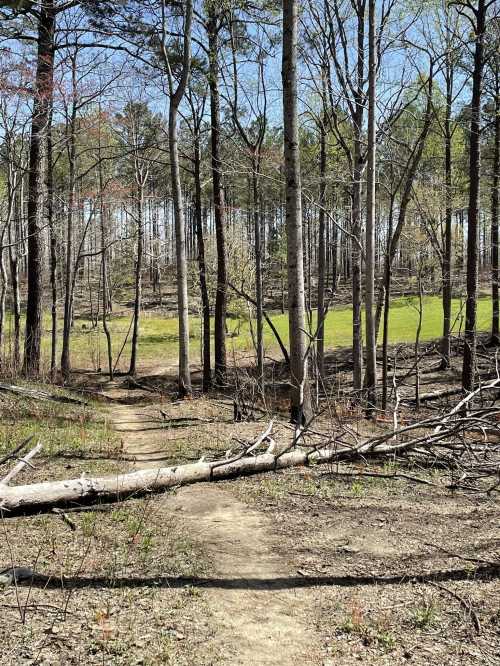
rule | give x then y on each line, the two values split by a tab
18	449
476	560
465	604
23	462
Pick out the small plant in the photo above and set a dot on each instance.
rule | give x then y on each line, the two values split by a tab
357	489
425	615
386	640
146	544
88	523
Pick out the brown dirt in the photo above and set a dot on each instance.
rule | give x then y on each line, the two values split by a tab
259	621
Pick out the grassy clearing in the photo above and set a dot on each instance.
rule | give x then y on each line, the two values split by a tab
158	340
159	335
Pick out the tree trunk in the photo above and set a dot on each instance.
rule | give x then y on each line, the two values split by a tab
202	269
258	275
68	279
469	360
37	497
357	326
300	393
104	259
495	186
371	338
3	286
218	195
184	378
38	141
322	243
53	251
358	164
446	268
138	279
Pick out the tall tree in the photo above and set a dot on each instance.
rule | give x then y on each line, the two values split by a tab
495	187
213	27
176	92
371	337
477	14
197	104
300	392
43	93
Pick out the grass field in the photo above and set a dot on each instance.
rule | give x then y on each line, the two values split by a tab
158	339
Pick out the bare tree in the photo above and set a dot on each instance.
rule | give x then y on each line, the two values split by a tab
371	337
477	14
176	92
300	393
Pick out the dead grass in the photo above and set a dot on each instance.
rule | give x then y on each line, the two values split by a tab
368	549
117	590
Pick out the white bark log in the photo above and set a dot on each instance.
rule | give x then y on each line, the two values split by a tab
38	496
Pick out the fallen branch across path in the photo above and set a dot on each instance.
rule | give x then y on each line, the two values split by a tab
466	444
465	604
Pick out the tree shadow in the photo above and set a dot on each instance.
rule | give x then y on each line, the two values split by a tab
285	583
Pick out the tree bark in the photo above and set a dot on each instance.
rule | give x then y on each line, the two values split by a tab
447	284
473	222
38	142
68	278
258	275
321	240
300	393
371	338
184	377
53	251
138	277
495	186
202	269
213	27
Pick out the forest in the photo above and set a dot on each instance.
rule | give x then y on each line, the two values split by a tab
249	332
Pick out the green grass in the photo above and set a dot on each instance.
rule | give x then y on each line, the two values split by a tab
158	334
63	429
402	322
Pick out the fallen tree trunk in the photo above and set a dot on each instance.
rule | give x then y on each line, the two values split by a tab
41	496
455	439
36	394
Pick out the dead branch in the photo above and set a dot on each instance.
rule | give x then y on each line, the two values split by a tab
23	462
14	453
37	394
465	604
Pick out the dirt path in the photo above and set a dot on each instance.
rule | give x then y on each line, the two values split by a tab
260	619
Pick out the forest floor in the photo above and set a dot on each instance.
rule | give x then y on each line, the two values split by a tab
298	566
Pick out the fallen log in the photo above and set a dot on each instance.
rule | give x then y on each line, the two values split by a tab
40	497
37	394
448	439
22	463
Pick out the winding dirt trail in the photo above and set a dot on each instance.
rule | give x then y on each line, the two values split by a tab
260	619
